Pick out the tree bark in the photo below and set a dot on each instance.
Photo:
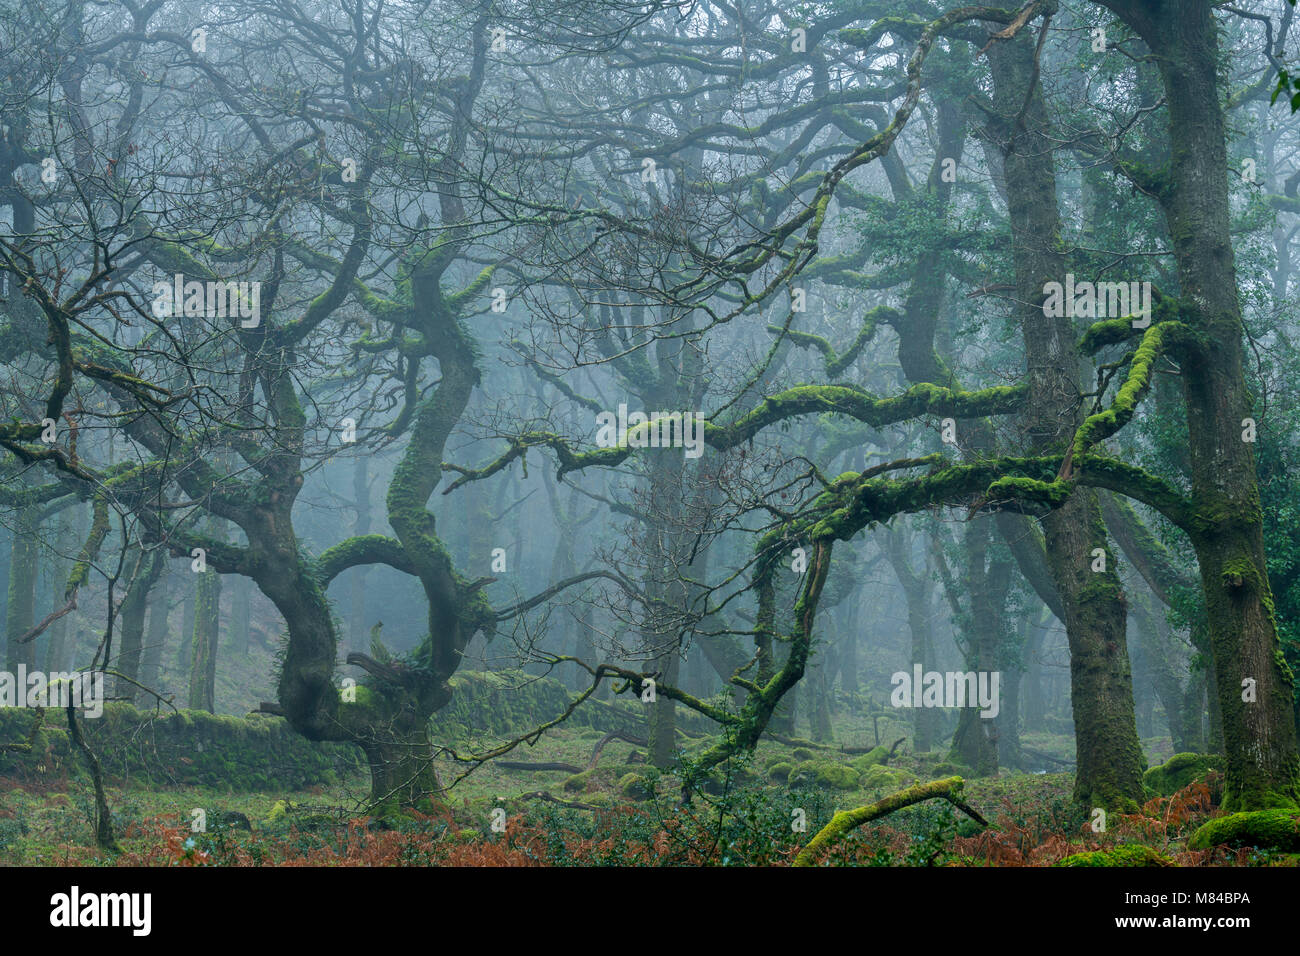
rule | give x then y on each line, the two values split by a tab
131	622
1083	568
20	611
156	634
1259	732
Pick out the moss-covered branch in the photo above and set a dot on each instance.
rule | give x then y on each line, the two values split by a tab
923	399
845	821
836	363
360	550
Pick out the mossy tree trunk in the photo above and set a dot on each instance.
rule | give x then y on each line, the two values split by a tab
562	566
156	633
1034	692
395	740
921	324
1214	737
20	611
849	645
241	614
661	636
1009	712
916	592
819	704
71	531
185	648
1259	728
674	382
390	719
206	639
358	627
975	742
131	615
1083	568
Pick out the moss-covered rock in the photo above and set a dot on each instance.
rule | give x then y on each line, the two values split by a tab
774	759
888	779
712	784
1130	854
1273	829
824	773
1178	771
875	757
579	781
780	770
635	787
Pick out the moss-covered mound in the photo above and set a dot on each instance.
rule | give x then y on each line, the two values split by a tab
824	773
780	770
635	787
875	757
1178	771
579	781
1131	854
887	779
1274	829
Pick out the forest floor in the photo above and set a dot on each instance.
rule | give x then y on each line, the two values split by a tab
622	812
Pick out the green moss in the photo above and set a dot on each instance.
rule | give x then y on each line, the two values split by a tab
635	786
505	703
258	752
578	781
826	774
780	770
1178	771
1131	854
775	759
1275	829
885	778
365	697
950	769
876	756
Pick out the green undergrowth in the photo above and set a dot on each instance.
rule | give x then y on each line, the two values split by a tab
756	811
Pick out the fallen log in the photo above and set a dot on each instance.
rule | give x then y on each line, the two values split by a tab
549	798
1042	756
866	750
622	735
949	788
